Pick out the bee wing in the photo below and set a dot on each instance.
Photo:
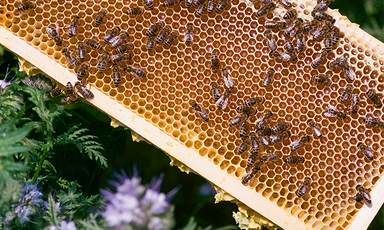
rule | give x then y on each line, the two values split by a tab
295	144
329	113
219	102
228	81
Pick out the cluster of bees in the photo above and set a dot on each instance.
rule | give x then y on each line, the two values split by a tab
202	6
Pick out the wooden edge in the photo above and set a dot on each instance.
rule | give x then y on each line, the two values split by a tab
189	157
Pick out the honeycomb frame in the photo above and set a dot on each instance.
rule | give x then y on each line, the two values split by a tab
205	160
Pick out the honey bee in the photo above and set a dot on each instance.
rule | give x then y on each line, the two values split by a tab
321	79
368	152
294	160
171	38
136	71
228	81
304	188
281	126
93	44
201	112
86	93
69	89
71	58
244	128
243	145
81	51
289	46
116	76
55	92
117	40
268	77
271	42
221	6
188	3
321	6
135	11
265	9
152	30
333	112
275	25
371	95
103	62
197	3
373	122
268	157
117	58
54	33
250	175
223	100
320	58
306	26
275	138
150	43
211	6
265	131
290	14
215	90
202	9
124	48
301	45
328	43
239	118
350	73
319	33
100	17
112	33
280	55
82	71
215	66
149	4
26	6
346	94
294	28
363	194
264	140
315	128
254	101
169	3
286	3
188	38
321	16
70	99
165	31
335	35
355	103
337	63
254	150
295	145
261	1
73	26
260	123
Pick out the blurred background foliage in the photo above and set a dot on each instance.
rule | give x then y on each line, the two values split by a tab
195	198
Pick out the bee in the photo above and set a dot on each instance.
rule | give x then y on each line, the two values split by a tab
304	188
228	81
265	9
55	92
269	157
117	58
254	150
82	71
289	46
86	93
124	48
333	112
328	43
244	128
264	140
103	62
254	101
54	33
149	4
294	28
197	3
215	66
100	17
69	89
373	122
26	6
290	14
321	16
268	77
112	33
335	35
171	38
211	6
321	79
364	194
188	38
73	26
346	94
71	58
81	51
320	58
280	55
70	99
281	126
299	142
355	103
201	112
150	43
337	63
321	6
93	44
169	3
301	45
221	6
294	160
117	40
368	152
315	128
239	118
116	76
165	31
250	111
271	42
215	90
350	73
275	138
243	145
202	9
265	131
135	11
223	100
319	33
260	123
286	3
248	177
188	3
136	71
306	26
152	30
371	95
275	25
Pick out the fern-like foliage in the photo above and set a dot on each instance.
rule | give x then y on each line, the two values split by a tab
91	223
53	217
10	104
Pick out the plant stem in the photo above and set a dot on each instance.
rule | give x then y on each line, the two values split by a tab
39	167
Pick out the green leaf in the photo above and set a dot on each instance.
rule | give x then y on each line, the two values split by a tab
52	212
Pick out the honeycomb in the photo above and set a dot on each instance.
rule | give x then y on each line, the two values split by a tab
180	74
